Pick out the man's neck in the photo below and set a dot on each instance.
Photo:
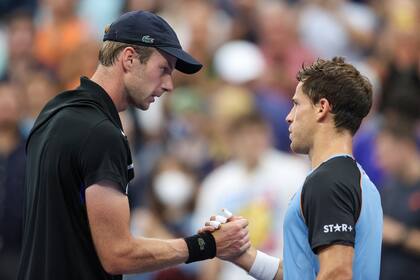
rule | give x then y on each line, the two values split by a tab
110	81
327	145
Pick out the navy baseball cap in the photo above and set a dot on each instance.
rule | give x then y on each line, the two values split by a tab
147	29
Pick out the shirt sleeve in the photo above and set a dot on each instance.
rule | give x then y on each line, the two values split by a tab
104	156
331	205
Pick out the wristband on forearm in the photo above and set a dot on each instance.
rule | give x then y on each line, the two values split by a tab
264	267
200	247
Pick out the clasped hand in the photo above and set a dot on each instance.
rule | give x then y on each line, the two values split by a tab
231	235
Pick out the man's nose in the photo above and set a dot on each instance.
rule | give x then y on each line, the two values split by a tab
168	84
289	118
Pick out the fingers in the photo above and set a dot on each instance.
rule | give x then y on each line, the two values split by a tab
245	247
233	218
214	224
221	219
217	220
206	229
240	222
227	214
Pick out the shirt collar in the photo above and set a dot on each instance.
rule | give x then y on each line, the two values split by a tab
101	96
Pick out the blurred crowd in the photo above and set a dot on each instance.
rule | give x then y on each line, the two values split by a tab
220	139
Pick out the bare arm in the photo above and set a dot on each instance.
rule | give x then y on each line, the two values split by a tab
335	262
396	233
120	252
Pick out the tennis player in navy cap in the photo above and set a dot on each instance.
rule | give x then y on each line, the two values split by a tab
76	223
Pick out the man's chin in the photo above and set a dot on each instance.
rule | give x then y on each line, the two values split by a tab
143	107
297	149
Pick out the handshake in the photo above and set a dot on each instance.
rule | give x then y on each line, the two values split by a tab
229	237
230	233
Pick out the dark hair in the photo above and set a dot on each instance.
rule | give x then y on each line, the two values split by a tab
349	93
110	51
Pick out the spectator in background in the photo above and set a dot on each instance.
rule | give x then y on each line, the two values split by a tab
241	66
12	170
283	54
398	51
188	130
281	47
21	61
166	213
257	184
60	32
400	157
337	27
227	103
154	6
86	56
9	6
244	20
38	89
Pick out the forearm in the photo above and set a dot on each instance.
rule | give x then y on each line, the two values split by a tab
412	240
335	262
147	254
279	274
333	274
246	260
397	234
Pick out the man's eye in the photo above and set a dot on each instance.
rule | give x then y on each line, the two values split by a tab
164	70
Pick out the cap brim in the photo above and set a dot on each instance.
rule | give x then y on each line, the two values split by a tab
185	62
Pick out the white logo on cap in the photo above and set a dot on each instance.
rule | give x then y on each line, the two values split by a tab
147	39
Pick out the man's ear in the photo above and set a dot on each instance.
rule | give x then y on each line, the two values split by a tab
127	57
323	108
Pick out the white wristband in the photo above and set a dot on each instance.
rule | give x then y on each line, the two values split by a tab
264	267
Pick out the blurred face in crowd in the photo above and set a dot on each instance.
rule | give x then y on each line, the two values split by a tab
21	35
174	189
62	7
391	153
302	121
39	90
9	107
250	142
146	81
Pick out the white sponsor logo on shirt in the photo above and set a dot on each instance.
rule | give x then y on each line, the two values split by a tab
337	228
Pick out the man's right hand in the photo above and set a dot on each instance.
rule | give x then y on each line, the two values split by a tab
232	238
